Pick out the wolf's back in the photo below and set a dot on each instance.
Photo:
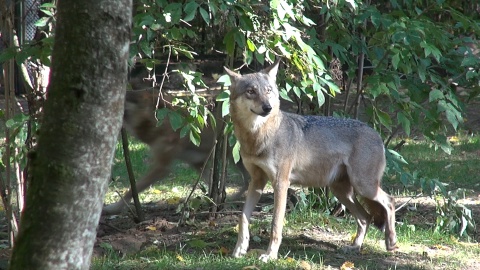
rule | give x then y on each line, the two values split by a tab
335	129
139	118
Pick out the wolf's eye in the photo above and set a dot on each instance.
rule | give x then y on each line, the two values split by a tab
250	91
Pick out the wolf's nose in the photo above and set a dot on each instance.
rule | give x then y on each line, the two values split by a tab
266	108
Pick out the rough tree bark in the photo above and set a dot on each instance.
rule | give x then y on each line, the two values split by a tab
83	112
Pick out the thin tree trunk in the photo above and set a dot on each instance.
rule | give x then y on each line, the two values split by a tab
139	217
82	118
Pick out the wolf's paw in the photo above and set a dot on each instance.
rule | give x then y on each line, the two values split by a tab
239	252
267	257
392	247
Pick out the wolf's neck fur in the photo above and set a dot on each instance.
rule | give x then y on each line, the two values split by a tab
254	131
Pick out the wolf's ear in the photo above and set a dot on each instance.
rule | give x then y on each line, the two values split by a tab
273	69
233	75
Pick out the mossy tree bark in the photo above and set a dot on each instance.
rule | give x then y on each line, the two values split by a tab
83	116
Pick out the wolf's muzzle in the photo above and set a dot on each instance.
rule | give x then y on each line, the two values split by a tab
266	109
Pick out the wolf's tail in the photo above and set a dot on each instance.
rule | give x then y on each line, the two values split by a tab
378	213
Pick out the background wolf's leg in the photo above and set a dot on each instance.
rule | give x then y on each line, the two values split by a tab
255	190
343	190
147	180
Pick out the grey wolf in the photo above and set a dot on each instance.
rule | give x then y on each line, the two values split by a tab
346	155
165	144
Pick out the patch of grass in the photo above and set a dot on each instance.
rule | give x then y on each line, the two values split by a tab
171	260
460	169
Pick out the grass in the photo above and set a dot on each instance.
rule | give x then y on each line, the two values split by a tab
311	239
460	169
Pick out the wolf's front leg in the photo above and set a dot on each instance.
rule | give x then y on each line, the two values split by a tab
280	188
255	190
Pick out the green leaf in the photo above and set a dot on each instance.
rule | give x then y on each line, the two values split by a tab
184	131
42	22
225	108
246	23
17	120
405	122
320	98
156	27
240	39
396	156
288	9
384	119
190	9
7	54
223	96
229	41
48	5
145	47
444	144
47	12
435	95
453	116
284	95
236	152
250	45
176	120
431	50
195	137
297	91
205	15
225	80
395	60
161	114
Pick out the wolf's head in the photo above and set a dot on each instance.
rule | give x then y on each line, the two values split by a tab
254	96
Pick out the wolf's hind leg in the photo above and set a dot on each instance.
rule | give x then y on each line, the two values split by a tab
343	190
387	204
382	208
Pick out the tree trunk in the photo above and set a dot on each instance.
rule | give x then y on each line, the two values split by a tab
83	113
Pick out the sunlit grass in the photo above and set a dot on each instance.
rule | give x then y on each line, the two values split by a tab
461	169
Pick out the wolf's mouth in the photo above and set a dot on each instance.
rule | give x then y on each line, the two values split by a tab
261	114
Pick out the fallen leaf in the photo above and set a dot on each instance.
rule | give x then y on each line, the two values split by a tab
347	266
304	265
151	228
454	139
290	259
180	258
